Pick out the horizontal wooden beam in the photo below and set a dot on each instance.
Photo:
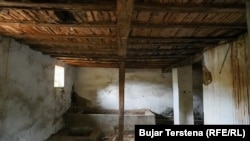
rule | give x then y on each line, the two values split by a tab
100	50
131	39
132	47
179	39
59	6
171	43
91	64
114	64
72	25
76	51
115	56
67	43
51	41
190	25
184	8
184	62
133	25
50	36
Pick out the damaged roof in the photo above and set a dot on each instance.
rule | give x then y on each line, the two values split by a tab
140	33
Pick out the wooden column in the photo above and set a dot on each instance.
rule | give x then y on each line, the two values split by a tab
124	14
248	19
248	49
121	100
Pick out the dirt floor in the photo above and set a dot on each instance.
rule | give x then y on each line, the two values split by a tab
126	137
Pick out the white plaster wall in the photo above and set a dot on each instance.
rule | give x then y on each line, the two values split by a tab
144	88
217	96
30	106
150	89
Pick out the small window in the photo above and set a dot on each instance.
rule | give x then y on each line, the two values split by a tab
59	76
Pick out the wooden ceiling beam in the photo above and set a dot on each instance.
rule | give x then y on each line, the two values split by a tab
58	25
84	55
190	25
67	43
133	25
170	43
131	40
190	8
91	64
179	39
184	62
132	46
64	51
115	65
50	36
59	6
99	51
187	8
115	57
112	64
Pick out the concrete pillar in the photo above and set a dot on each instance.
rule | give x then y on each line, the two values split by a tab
183	95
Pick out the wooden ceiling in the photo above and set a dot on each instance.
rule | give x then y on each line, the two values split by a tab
140	33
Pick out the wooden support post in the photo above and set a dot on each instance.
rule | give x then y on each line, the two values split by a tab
248	19
121	99
124	14
248	49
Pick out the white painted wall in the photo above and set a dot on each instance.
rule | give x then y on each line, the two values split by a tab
149	89
144	88
224	103
30	107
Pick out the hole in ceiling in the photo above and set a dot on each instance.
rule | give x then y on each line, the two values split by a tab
65	17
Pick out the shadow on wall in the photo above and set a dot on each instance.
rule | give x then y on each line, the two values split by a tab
78	103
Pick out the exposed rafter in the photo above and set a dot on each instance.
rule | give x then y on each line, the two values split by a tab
184	62
133	25
216	8
137	7
58	6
